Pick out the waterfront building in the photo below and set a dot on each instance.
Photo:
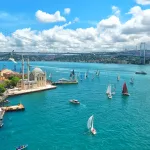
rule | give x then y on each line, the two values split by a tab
35	79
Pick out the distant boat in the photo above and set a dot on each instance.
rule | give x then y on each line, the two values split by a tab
90	125
108	92
114	90
98	73
131	81
74	101
141	72
1	124
22	147
66	81
125	90
81	77
118	77
50	75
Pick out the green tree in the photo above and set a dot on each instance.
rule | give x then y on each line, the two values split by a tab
14	81
2	89
7	84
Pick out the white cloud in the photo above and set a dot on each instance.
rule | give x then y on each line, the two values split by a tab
143	2
67	11
49	18
109	34
115	10
76	19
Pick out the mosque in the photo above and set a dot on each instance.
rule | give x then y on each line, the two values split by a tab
35	79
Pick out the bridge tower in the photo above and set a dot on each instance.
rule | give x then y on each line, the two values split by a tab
142	53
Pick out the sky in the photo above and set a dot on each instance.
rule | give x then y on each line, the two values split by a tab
74	26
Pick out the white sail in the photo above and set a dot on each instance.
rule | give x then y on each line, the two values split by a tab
118	77
90	122
108	89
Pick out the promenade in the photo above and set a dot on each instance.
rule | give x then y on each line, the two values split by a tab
13	92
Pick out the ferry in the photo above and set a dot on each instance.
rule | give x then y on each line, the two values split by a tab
141	72
66	81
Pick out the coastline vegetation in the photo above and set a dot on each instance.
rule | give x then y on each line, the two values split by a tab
8	83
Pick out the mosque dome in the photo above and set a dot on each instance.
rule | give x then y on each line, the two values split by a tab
37	71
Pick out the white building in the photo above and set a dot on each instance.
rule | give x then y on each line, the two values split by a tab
35	79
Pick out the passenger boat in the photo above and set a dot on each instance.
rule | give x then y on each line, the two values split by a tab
141	72
74	101
22	147
66	81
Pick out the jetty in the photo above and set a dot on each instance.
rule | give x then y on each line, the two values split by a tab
15	91
13	108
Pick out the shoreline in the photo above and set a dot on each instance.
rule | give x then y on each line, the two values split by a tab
15	92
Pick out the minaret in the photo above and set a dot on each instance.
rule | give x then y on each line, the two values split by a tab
28	66
45	78
22	72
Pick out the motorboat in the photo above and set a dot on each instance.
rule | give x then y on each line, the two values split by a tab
141	72
74	101
22	147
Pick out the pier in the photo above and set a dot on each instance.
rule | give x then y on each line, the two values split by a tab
13	108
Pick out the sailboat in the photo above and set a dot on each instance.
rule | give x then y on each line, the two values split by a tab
81	77
118	78
90	125
125	90
108	92
131	81
114	90
50	76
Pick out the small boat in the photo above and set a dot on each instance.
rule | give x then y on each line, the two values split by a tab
125	90
22	147
108	92
90	125
131	81
74	101
141	72
1	124
6	101
118	78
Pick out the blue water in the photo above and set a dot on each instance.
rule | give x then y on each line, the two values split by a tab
51	123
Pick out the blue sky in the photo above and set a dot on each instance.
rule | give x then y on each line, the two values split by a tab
89	12
65	25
